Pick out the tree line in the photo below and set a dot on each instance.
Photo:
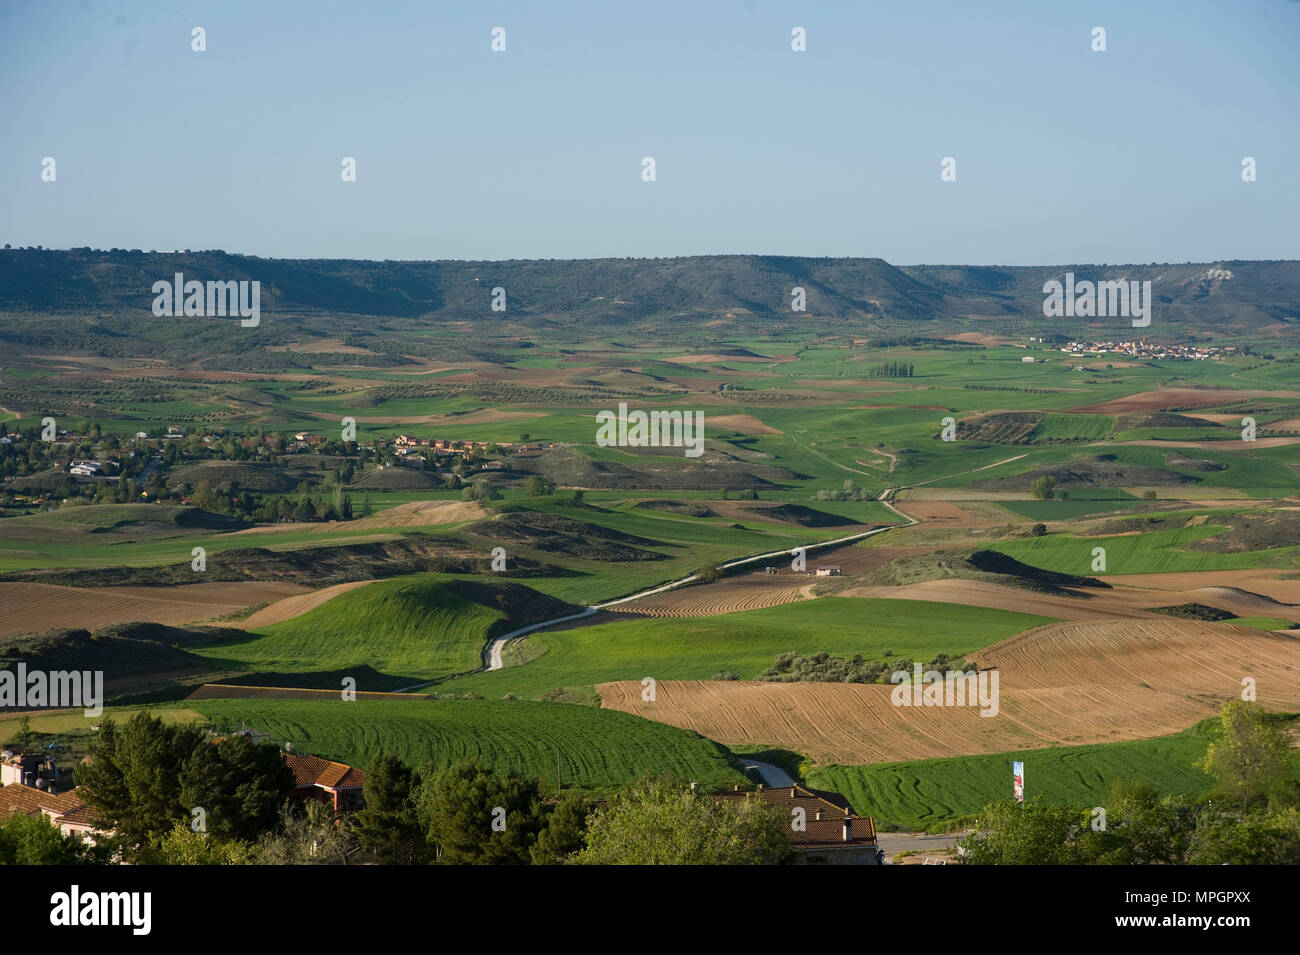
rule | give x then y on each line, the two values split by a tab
175	794
1250	817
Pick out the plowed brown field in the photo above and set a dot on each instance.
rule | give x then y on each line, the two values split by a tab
1063	684
297	605
1163	399
942	513
708	600
38	607
1125	601
744	423
412	514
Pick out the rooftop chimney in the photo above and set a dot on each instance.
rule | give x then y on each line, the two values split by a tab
848	828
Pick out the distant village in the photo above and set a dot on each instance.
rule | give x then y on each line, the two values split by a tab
412	451
1142	349
106	468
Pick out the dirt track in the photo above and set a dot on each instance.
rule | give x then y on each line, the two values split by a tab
1063	684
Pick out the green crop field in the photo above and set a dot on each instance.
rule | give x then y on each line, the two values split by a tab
1151	552
747	643
938	794
1072	427
594	748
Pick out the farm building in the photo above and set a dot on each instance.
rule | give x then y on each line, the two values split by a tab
67	810
832	571
26	768
323	779
827	832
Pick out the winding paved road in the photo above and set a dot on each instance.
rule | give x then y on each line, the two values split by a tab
495	647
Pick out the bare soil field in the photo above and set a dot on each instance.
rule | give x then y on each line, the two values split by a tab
1259	581
960	494
744	423
411	514
754	511
726	596
1063	684
422	514
321	346
943	513
1123	602
726	359
980	338
46	606
1167	399
854	559
297	605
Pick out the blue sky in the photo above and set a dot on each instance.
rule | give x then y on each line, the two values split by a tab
1063	155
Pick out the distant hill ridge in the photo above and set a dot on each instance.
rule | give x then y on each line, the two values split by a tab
858	294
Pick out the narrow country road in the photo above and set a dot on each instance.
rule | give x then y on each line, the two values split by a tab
918	842
774	777
495	647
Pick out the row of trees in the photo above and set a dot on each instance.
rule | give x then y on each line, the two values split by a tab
177	795
447	816
247	506
892	369
851	492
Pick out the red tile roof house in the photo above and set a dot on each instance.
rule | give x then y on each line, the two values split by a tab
832	835
67	810
336	783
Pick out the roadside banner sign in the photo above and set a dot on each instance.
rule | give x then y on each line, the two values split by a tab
1018	780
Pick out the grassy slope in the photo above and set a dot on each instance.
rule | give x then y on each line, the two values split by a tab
411	626
595	748
747	643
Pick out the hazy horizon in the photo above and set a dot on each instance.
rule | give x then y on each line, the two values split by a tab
1063	154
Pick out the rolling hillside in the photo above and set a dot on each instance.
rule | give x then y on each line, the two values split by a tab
421	627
